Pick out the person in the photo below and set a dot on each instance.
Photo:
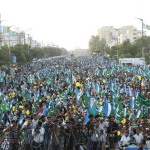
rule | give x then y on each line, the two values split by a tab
68	141
132	141
103	135
125	138
95	136
34	120
27	129
47	135
148	142
13	135
138	137
112	131
55	136
141	146
88	126
38	136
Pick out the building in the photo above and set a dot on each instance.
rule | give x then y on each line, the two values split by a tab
132	61
123	33
12	38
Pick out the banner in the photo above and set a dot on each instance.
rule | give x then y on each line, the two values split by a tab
14	59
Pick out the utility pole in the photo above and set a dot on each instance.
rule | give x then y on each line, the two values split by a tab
142	38
1	32
28	42
8	27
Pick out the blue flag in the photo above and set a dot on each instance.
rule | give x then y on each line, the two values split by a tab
10	32
0	28
45	111
14	59
143	26
23	37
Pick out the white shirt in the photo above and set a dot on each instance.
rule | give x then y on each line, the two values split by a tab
38	137
138	138
34	122
125	139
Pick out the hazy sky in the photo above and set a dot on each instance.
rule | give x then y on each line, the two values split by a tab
70	23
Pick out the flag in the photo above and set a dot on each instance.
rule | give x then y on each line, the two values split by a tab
145	111
100	108
124	112
112	37
7	124
107	73
14	33
124	89
86	117
10	32
144	26
107	108
14	59
0	28
111	86
48	81
45	111
130	92
138	112
93	110
97	88
23	37
147	27
20	119
5	29
132	102
143	100
139	77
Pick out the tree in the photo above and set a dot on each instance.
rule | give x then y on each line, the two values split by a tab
133	50
21	53
98	46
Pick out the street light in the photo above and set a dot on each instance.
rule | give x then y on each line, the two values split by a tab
142	36
1	33
28	42
117	40
8	27
23	33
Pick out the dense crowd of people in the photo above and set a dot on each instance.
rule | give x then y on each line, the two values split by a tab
74	103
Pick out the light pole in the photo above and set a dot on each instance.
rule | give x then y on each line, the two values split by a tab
8	27
28	42
1	32
23	37
142	37
110	33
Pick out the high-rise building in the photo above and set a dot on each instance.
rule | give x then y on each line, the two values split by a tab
123	33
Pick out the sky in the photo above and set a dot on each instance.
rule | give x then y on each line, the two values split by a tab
71	23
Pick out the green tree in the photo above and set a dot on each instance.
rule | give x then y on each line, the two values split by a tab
98	46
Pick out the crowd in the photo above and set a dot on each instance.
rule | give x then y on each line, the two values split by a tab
77	103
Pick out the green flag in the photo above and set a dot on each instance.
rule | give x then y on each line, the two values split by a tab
147	27
48	81
5	29
93	110
107	73
14	33
145	111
